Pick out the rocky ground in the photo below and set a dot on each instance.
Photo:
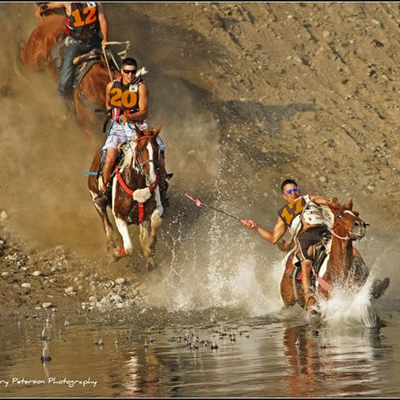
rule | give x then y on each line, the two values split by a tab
249	94
54	279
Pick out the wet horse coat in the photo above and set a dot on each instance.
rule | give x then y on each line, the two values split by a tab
342	266
35	54
135	195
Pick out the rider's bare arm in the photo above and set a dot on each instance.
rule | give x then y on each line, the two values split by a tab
321	200
103	23
108	89
54	5
272	236
143	106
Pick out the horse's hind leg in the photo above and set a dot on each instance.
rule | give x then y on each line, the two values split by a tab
108	229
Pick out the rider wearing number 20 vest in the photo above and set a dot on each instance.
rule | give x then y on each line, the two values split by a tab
127	105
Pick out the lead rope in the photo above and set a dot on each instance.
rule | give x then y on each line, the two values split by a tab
121	54
324	284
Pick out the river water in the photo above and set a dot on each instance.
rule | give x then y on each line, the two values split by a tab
212	326
216	352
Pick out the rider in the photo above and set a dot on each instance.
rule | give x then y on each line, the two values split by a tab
127	105
303	216
86	29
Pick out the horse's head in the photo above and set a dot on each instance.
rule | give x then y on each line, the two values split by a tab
147	155
347	223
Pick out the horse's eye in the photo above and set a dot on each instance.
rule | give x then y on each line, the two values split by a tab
340	216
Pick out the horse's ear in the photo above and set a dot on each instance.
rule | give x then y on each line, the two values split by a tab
138	131
157	130
334	202
350	204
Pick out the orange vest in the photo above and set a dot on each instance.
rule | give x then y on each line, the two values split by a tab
292	210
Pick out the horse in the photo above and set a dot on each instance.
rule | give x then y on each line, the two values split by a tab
91	79
136	196
339	263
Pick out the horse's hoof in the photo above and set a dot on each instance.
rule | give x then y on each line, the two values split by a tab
379	287
117	253
311	305
151	265
121	251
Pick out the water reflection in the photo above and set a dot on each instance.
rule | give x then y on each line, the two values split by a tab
334	361
302	357
263	357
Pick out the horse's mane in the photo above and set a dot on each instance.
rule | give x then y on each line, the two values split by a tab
128	149
336	206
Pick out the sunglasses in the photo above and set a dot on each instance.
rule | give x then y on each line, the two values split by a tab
129	71
289	191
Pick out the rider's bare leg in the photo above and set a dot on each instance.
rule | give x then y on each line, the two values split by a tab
111	157
102	199
306	266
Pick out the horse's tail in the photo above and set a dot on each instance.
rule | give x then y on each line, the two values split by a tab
22	53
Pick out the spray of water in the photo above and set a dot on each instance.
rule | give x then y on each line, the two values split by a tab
350	306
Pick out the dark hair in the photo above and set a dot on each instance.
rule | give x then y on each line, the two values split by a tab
129	61
287	182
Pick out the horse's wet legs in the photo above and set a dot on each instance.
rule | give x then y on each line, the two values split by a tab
287	292
108	228
122	227
306	266
156	222
144	228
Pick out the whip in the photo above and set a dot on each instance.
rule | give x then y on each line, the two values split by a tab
199	203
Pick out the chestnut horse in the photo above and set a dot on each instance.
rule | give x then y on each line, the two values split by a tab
135	195
342	266
89	95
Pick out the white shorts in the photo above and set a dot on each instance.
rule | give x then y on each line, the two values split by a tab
120	133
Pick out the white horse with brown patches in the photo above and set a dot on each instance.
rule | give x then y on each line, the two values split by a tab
136	197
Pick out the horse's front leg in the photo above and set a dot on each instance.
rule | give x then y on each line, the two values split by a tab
146	244
156	222
122	227
148	232
288	294
144	228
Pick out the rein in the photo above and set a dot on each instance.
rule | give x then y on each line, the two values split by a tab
130	192
141	165
127	189
338	236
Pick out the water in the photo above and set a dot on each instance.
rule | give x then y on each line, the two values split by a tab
154	353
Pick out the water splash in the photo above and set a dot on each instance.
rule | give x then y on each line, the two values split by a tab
216	265
350	306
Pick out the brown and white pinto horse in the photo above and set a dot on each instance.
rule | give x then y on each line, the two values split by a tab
135	195
89	95
343	264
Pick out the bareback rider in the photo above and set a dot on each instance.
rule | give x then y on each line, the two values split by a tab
127	104
86	30
303	217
